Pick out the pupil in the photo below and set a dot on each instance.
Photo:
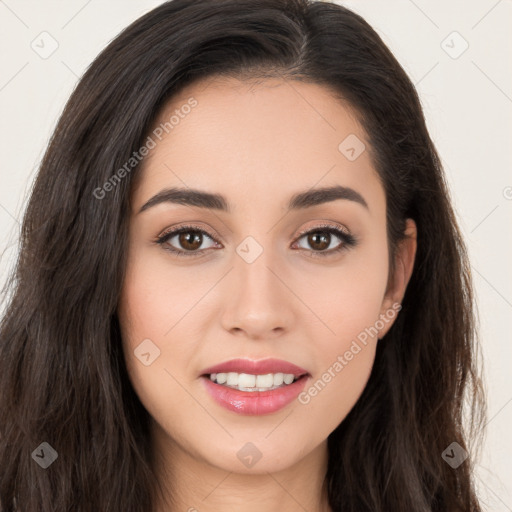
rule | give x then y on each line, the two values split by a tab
323	237
190	240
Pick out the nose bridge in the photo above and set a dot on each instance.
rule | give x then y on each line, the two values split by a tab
257	301
255	269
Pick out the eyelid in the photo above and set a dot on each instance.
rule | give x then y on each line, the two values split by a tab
318	227
304	231
190	227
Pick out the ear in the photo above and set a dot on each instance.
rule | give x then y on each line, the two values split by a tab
397	284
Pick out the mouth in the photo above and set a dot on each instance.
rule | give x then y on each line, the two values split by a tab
254	383
252	375
254	400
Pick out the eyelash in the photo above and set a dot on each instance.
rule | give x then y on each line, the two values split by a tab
347	240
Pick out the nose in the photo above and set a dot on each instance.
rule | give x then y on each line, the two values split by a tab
259	303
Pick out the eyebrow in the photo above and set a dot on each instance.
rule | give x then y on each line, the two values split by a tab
208	200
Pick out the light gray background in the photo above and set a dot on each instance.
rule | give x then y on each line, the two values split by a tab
467	102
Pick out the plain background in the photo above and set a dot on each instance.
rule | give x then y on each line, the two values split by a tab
467	98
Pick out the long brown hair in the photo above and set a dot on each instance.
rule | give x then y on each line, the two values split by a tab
62	376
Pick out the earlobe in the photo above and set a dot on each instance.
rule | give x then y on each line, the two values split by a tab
404	264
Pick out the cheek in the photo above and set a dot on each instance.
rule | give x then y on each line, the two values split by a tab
343	363
156	299
333	392
348	297
349	302
149	314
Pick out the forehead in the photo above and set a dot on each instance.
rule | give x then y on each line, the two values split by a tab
259	139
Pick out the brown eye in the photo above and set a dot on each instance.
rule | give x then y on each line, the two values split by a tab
186	241
190	240
321	241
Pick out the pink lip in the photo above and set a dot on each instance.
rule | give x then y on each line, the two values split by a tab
256	367
254	402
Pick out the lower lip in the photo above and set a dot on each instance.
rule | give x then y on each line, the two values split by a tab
254	402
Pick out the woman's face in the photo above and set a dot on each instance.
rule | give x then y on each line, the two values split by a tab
252	286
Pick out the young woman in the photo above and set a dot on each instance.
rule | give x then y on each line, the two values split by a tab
241	285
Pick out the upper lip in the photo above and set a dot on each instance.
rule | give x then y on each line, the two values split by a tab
253	367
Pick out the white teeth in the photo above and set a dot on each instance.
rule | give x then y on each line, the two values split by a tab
249	382
221	377
232	379
278	379
263	381
288	378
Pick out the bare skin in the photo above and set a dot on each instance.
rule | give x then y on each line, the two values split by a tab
257	145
